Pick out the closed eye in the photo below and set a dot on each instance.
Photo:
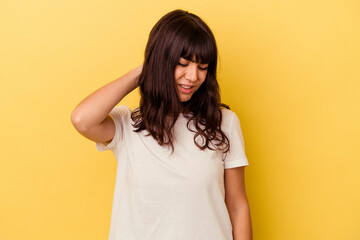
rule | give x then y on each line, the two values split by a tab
184	65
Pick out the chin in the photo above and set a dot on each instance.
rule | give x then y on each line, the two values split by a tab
184	100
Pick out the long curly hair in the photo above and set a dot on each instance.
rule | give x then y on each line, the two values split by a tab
180	34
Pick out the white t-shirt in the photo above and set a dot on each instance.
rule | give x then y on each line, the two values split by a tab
164	196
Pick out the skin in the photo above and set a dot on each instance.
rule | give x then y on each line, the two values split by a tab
91	116
189	74
237	203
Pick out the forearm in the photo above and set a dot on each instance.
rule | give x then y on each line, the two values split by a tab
95	108
241	223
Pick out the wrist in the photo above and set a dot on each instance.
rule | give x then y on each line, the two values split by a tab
137	71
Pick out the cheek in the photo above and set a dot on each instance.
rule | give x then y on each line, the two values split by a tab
202	80
203	76
177	73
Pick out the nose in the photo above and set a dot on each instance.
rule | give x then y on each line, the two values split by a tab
191	72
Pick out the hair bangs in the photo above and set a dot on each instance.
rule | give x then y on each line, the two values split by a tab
199	47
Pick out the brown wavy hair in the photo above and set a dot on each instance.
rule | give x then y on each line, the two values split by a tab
180	34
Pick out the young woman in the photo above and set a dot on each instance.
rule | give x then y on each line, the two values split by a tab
180	155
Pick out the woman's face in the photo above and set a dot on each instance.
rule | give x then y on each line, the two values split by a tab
189	76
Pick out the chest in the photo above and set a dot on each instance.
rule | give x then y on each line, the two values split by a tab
186	169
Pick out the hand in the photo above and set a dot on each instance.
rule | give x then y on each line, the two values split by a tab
138	71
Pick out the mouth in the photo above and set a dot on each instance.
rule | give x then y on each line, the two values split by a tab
185	88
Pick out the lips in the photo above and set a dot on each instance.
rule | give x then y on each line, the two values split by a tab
184	88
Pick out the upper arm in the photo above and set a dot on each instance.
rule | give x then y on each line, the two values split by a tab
102	133
235	195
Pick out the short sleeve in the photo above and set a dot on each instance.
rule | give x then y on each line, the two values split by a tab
236	156
119	115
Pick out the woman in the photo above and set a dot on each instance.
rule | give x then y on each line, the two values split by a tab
180	155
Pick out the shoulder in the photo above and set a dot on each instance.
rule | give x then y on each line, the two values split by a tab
121	115
121	111
227	113
228	117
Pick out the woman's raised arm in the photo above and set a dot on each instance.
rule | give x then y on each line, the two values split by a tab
91	115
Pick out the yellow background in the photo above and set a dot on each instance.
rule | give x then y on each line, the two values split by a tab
289	69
